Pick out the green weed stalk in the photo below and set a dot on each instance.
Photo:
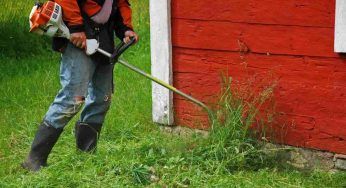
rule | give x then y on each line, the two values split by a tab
233	141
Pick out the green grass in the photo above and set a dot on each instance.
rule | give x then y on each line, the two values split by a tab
132	150
14	26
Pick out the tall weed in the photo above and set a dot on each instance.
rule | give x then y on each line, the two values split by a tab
235	142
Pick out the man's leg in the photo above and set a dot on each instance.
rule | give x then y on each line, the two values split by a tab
75	74
97	104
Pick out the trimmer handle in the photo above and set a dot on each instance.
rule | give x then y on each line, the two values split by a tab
121	48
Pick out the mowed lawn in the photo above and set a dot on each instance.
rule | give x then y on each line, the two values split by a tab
132	151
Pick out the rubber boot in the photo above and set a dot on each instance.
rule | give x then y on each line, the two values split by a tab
87	136
45	139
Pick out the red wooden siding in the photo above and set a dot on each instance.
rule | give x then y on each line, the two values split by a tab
291	39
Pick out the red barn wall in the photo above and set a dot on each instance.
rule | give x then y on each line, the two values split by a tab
292	39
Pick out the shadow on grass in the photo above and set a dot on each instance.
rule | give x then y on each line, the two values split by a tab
17	42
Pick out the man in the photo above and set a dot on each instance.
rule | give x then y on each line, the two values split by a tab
84	79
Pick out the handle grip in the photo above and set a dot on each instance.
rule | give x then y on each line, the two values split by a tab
121	48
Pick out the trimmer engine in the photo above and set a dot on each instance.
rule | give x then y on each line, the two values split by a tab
46	19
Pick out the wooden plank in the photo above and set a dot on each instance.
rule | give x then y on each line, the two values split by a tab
228	36
328	144
288	12
340	27
161	60
322	71
188	115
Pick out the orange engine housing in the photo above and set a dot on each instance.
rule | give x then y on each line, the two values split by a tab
42	15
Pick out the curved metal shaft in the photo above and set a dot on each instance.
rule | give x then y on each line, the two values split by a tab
164	84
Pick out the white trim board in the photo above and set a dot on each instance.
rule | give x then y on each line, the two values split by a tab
340	27
161	60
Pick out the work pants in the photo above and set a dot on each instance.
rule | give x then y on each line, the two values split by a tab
86	85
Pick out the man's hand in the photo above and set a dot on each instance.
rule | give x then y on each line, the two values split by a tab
78	39
129	34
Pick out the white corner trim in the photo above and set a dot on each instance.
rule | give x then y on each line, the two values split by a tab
340	26
161	60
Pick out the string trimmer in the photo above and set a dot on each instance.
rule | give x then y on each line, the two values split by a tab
47	20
